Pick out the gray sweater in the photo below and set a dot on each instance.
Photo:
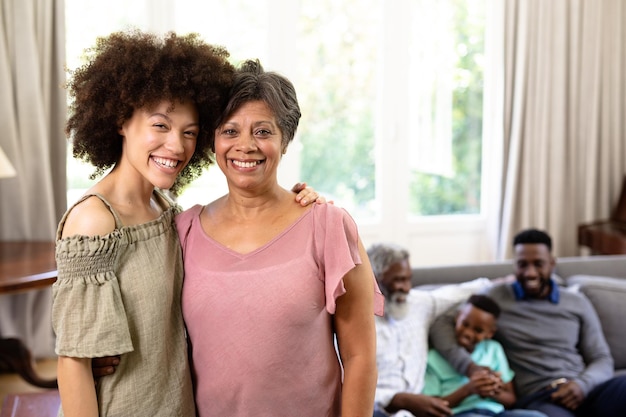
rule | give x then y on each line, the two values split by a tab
543	340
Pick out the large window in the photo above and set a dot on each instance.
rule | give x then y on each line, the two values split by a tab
391	93
446	107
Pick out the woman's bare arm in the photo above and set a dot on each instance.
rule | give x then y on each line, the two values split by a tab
356	338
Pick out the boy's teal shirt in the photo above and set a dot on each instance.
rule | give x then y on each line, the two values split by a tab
441	379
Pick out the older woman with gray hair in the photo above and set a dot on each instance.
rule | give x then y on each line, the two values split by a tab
269	284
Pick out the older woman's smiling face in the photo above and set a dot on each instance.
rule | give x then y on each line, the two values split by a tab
248	145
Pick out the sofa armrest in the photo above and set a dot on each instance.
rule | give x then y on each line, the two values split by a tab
608	297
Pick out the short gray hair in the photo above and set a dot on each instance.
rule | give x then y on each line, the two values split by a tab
253	83
383	255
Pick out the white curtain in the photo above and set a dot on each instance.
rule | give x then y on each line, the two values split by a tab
563	122
32	115
432	62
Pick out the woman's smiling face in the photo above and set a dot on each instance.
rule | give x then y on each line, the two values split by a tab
159	141
248	146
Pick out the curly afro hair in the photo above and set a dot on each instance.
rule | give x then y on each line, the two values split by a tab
130	70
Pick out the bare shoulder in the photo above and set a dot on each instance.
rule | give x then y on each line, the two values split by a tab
90	217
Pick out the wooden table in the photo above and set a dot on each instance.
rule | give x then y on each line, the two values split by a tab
32	404
24	266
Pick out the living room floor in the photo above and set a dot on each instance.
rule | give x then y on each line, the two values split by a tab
11	383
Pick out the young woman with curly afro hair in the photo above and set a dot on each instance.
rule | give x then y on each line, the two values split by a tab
133	70
145	107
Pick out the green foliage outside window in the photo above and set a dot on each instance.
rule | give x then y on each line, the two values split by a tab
460	194
337	97
337	133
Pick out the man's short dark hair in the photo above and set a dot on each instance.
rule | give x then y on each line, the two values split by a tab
533	236
485	303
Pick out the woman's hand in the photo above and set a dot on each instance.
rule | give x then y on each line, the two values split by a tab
104	366
307	195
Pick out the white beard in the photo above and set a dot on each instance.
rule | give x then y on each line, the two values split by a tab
395	309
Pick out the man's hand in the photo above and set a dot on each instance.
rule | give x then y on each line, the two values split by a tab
425	406
569	395
104	366
421	405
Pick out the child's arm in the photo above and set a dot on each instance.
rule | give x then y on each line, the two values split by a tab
459	395
76	387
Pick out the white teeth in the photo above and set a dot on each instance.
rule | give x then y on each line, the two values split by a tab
170	163
245	164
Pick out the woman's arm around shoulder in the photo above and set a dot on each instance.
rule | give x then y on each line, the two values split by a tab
356	338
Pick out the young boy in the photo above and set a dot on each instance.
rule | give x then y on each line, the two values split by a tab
486	393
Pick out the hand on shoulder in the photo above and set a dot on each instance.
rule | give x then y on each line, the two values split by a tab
307	195
90	217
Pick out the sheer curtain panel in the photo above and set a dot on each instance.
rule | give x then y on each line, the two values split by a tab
564	117
32	115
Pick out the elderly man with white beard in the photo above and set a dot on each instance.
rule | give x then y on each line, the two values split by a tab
402	333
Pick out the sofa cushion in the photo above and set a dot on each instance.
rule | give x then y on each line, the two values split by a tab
608	296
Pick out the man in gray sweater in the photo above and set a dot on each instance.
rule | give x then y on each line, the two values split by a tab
552	337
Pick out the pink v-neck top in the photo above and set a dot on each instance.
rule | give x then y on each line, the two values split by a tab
260	323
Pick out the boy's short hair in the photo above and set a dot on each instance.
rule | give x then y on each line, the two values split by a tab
485	303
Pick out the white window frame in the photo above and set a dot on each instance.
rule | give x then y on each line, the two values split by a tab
432	240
